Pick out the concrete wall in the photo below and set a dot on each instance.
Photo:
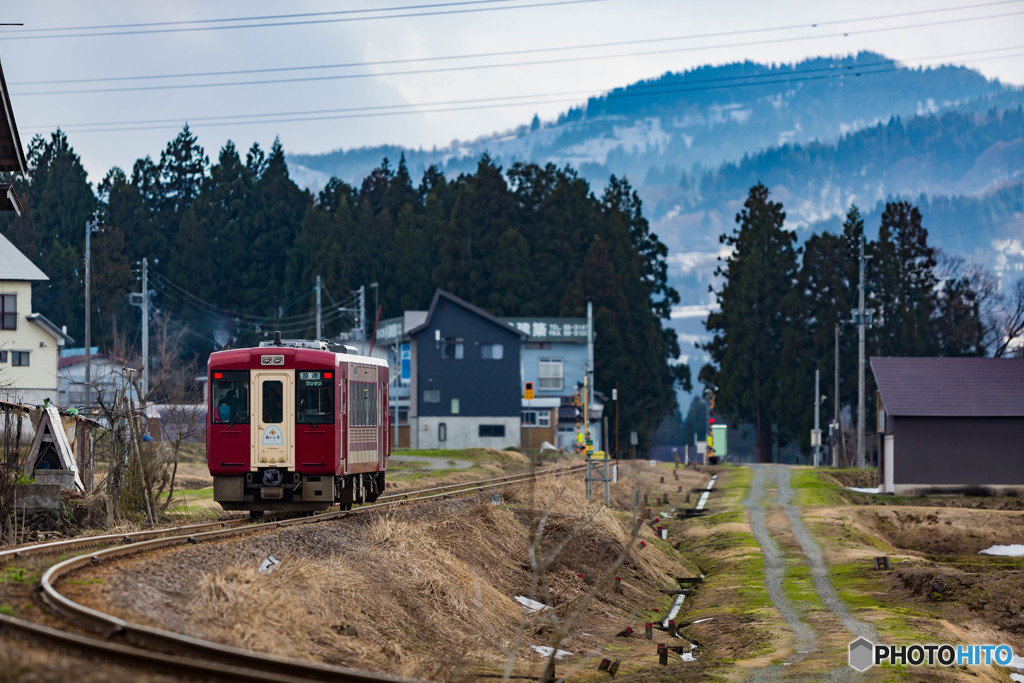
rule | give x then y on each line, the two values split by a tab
957	452
463	432
38	380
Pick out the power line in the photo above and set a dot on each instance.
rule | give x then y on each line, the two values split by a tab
268	17
248	321
475	67
304	22
505	53
488	103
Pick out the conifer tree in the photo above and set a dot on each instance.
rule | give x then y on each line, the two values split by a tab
748	329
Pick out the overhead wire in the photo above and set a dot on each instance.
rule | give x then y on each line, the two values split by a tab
180	22
250	321
505	53
634	90
488	104
475	67
304	22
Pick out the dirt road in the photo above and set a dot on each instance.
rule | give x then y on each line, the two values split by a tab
806	639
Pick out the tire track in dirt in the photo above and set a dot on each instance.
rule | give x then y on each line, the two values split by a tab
814	560
774	570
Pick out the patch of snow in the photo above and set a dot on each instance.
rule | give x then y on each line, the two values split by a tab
865	489
1006	551
688	657
1017	677
701	621
1017	662
546	651
529	604
674	611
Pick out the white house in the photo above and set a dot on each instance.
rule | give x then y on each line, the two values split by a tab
29	343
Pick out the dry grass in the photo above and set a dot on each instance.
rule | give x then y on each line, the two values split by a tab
428	591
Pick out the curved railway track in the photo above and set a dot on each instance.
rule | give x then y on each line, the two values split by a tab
175	652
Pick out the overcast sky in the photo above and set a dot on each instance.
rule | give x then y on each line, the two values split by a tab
56	53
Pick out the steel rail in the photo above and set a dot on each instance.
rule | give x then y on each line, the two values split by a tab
125	537
149	644
511	478
143	657
24	551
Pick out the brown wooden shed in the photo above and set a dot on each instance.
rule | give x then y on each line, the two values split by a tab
948	424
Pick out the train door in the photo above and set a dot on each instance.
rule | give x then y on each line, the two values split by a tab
273	419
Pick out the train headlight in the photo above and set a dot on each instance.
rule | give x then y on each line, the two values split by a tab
272	477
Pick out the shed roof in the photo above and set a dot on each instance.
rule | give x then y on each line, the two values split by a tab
951	387
16	266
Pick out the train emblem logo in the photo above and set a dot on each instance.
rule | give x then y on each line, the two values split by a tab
272	436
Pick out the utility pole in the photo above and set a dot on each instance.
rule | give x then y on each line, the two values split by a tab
836	436
90	225
817	416
860	360
319	312
590	350
362	314
615	395
145	328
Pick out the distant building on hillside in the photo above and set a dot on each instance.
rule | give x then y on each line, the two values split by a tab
949	424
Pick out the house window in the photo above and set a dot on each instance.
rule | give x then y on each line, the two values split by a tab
452	348
9	312
3	356
442	431
492	430
536	418
455	406
549	373
431	395
492	351
19	359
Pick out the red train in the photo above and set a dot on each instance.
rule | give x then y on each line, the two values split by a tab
296	426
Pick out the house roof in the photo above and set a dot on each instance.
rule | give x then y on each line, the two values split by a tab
16	266
9	200
441	294
951	387
12	157
54	331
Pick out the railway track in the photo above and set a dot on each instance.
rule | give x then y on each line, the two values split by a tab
175	652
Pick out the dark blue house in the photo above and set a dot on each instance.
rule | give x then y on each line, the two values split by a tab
465	371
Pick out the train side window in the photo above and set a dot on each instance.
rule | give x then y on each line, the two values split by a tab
363	404
273	402
229	397
314	397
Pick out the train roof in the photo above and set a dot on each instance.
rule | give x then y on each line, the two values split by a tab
228	356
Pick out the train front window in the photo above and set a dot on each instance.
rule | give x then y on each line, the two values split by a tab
229	397
314	397
273	402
